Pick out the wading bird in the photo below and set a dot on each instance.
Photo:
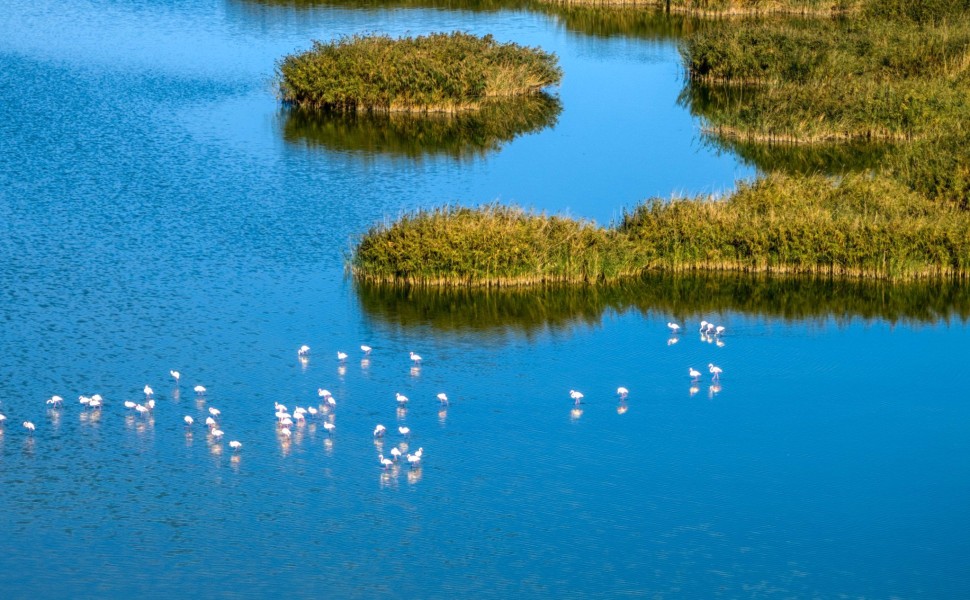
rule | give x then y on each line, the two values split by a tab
715	372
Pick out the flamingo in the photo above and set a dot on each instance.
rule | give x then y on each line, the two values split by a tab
329	427
2	418
149	392
199	389
419	453
719	330
341	356
404	430
674	328
379	430
141	408
285	432
303	351
694	373
715	372
395	453
55	401
210	422
129	404
415	358
235	444
95	401
401	397
365	348
703	326
413	459
150	404
29	426
188	420
443	398
385	462
215	412
175	375
312	411
576	396
218	433
323	393
85	400
331	402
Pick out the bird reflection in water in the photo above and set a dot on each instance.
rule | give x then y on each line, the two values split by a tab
304	362
176	394
388	479
364	364
621	408
402	412
672	340
415	371
379	445
215	449
575	413
414	475
693	390
328	446
442	416
188	438
714	390
341	371
235	461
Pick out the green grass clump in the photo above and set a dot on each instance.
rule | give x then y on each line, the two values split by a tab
438	72
857	226
490	245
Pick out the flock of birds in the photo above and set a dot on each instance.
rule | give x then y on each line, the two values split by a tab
286	421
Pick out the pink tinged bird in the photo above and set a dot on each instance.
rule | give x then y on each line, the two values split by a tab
188	420
286	422
405	431
576	396
55	401
85	400
95	401
235	444
419	453
2	418
285	432
443	398
215	412
323	393
29	426
149	392
694	373
365	348
175	375
379	430
329	427
395	453
719	330
401	397
141	408
703	326
150	404
385	462
218	433
210	422
715	371
414	357
674	328
129	404
312	411
199	389
341	356
304	350
413	459
622	392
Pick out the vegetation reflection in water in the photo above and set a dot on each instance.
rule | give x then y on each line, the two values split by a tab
458	135
682	297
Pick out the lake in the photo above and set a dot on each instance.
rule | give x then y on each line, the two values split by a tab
160	210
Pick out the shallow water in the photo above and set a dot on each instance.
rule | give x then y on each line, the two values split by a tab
155	216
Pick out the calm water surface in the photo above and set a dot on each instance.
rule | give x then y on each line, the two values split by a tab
157	213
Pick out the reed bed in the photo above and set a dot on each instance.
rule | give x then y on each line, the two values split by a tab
441	72
858	226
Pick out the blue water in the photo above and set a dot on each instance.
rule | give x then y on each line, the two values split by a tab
153	217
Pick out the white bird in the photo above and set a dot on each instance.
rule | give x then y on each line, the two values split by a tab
413	459
149	392
694	373
401	397
299	416
215	412
303	351
379	430
129	404
329	427
405	431
416	358
719	330
703	326
286	422
199	389
285	432
299	410
2	418
331	402
443	398
385	462
210	422
312	411
85	400
576	396
141	408
395	453
715	372
235	444
365	348
150	404
218	433
55	401
622	392
419	453
341	356
95	401
188	420
674	328
29	426
323	393
175	375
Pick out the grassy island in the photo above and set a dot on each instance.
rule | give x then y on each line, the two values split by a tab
446	72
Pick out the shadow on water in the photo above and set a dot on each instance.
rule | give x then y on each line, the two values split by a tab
530	311
463	135
710	103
